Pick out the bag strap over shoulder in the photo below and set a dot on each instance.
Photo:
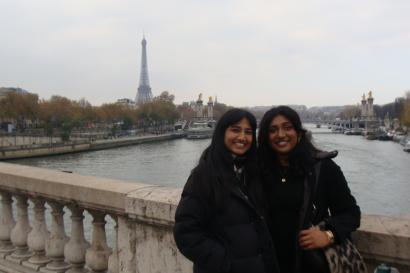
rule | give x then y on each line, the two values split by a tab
317	167
309	195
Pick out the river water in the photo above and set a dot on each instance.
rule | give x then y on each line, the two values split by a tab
378	172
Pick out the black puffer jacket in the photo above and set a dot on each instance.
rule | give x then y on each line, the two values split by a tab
232	240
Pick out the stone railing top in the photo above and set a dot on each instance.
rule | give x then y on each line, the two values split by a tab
154	204
386	225
87	191
386	238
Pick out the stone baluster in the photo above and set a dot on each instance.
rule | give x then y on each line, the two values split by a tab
6	224
113	266
56	241
37	237
97	255
74	250
20	232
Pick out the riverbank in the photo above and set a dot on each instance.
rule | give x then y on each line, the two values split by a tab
38	150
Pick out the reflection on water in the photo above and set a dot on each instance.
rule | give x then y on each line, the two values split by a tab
378	172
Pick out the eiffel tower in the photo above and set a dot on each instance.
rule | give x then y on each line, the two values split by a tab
144	90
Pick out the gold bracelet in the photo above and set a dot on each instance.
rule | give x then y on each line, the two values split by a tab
330	236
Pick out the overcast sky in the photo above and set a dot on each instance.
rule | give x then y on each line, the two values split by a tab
312	52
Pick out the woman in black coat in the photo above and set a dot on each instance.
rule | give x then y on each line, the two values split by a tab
218	225
303	187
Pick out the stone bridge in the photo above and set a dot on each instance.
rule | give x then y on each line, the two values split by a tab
33	228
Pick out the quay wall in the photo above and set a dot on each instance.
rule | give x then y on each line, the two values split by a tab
76	146
11	141
144	216
107	144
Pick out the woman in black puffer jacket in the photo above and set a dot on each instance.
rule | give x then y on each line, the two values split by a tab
218	225
304	189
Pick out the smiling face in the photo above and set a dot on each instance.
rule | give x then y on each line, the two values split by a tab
238	137
282	136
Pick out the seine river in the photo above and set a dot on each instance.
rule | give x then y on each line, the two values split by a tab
378	172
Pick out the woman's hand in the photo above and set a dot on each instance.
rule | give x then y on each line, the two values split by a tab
313	238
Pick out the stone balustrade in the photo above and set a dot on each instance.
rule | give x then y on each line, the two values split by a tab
33	234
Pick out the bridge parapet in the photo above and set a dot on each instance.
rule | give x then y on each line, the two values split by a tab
143	215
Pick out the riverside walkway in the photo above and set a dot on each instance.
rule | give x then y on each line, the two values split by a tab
144	217
36	150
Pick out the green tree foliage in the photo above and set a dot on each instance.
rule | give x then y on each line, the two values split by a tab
126	123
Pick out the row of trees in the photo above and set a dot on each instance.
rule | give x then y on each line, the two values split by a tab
27	110
65	114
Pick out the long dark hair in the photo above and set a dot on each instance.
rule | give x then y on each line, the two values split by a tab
300	158
213	177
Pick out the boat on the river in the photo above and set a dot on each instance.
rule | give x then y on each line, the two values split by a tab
180	125
337	130
353	132
370	135
400	137
318	125
404	140
200	130
383	136
407	146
